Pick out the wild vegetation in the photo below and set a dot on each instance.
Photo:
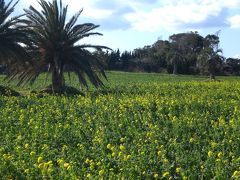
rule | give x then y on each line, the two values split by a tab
141	126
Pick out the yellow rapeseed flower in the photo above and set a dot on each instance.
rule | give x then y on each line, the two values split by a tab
122	147
69	167
220	154
122	139
119	154
109	146
49	162
210	153
5	156
213	144
87	161
165	174
101	172
60	161
178	170
26	146
41	165
40	159
112	148
32	153
236	174
66	165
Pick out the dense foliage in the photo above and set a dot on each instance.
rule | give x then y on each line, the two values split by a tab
137	128
183	53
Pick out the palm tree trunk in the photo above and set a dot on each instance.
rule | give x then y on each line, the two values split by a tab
57	79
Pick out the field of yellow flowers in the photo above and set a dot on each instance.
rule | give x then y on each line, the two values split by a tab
179	129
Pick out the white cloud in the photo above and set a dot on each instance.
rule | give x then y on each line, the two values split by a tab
234	21
76	5
154	15
175	13
167	17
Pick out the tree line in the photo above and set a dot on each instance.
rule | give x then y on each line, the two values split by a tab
183	53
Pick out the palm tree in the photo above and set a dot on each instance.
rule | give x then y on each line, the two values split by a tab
54	45
13	37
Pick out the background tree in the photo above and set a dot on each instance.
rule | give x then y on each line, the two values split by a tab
114	60
210	58
102	56
184	48
54	45
175	56
184	53
232	66
126	59
160	54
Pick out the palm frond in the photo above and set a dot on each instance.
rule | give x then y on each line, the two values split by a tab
13	37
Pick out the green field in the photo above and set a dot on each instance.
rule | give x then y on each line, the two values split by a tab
140	126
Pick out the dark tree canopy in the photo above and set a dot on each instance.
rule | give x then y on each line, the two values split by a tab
183	53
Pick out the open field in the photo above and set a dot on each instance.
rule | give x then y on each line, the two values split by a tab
139	126
117	80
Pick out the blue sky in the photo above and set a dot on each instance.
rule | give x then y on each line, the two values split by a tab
130	24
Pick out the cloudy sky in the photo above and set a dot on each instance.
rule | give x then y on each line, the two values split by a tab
129	24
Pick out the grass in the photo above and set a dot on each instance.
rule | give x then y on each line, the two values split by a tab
114	79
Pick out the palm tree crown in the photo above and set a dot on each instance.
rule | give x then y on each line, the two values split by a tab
54	45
